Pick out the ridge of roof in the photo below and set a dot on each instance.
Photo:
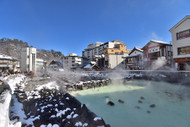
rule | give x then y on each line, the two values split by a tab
181	21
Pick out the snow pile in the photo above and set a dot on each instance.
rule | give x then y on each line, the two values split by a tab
3	56
50	125
97	118
4	109
50	85
17	110
34	94
79	124
75	115
62	112
15	81
88	66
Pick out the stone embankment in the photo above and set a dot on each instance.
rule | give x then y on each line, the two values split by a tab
51	107
88	84
167	76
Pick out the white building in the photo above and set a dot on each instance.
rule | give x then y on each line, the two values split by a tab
181	43
28	59
72	61
93	49
39	64
116	60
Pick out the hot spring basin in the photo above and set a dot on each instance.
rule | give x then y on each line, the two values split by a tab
171	104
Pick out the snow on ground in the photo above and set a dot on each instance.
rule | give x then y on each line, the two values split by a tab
19	81
97	118
17	110
12	82
50	85
79	124
4	109
50	125
75	115
62	112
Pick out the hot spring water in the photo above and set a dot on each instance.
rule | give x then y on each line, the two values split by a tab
172	104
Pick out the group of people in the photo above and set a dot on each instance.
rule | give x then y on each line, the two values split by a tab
4	73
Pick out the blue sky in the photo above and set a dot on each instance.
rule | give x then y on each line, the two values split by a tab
70	25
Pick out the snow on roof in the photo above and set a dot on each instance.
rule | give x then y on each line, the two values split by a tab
159	41
156	41
97	55
136	48
88	66
140	49
3	56
132	56
93	62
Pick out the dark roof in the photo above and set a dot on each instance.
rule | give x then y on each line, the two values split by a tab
56	62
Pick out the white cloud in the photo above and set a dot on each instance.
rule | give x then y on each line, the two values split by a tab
155	36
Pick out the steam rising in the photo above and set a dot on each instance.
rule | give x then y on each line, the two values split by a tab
158	64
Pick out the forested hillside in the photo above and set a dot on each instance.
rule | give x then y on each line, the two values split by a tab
12	47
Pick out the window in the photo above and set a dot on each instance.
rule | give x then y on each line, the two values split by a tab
33	61
162	49
184	50
169	53
183	34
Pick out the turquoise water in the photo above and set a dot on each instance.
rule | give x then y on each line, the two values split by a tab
172	104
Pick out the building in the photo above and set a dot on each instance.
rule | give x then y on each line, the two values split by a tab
92	66
181	43
56	65
134	61
40	63
28	59
8	63
72	61
157	53
112	51
93	49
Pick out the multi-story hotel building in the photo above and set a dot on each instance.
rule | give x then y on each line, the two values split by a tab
28	59
112	52
181	43
72	61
